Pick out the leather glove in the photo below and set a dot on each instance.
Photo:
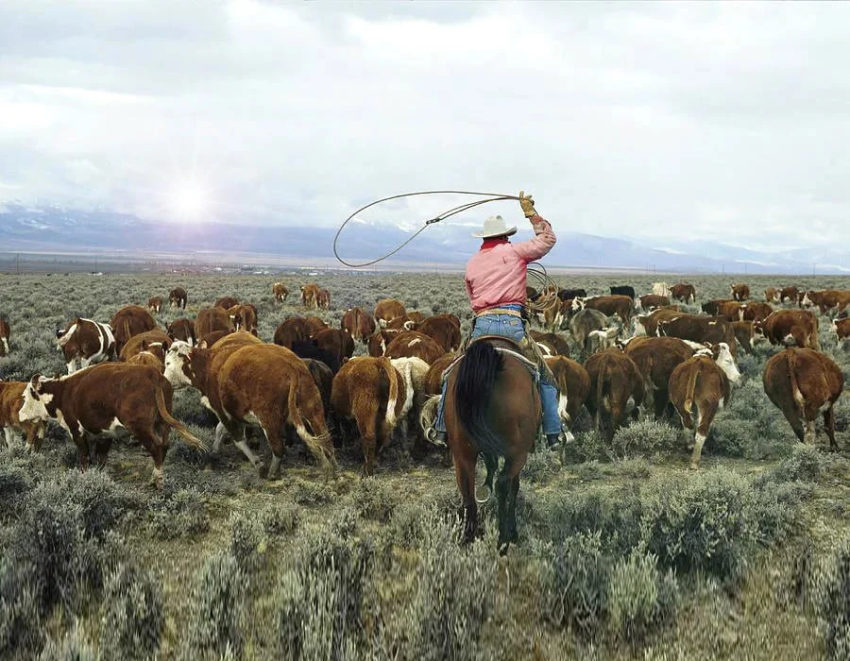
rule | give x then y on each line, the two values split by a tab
527	204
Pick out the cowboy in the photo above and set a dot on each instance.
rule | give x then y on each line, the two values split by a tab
496	284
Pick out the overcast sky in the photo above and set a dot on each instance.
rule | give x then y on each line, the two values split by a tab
726	121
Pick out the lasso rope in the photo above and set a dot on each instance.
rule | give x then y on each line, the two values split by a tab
537	274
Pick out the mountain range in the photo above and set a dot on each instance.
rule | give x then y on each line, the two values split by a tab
48	229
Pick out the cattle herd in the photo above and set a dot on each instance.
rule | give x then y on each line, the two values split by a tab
635	352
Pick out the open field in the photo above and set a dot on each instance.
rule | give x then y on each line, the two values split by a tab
623	552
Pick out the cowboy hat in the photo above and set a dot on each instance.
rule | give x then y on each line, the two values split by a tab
494	227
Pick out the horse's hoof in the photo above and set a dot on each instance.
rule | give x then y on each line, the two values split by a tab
486	491
694	466
503	548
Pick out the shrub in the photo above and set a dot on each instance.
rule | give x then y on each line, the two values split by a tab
833	603
280	519
20	630
642	439
640	597
180	514
133	615
72	647
217	604
588	446
373	499
248	541
804	464
541	466
306	492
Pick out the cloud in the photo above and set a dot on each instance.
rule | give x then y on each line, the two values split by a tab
672	121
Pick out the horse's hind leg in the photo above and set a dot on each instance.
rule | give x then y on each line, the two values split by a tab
465	473
492	465
507	487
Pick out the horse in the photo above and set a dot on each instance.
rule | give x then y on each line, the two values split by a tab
493	409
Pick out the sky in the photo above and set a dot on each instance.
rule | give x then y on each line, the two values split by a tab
672	122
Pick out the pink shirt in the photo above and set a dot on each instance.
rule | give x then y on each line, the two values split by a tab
496	275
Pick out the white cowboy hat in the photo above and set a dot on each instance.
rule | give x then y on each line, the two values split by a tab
494	227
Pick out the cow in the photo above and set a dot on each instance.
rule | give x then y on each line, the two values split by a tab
294	329
95	402
570	294
573	384
698	389
335	341
5	334
740	291
414	344
434	378
310	351
211	338
828	300
650	302
226	302
359	324
648	324
781	326
280	292
790	295
388	309
554	313
212	319
11	400
614	381
416	317
841	328
661	289
730	310
243	317
683	292
623	290
323	299
129	321
551	344
716	305
155	304
604	338
323	377
177	298
315	324
87	342
701	329
746	334
310	295
531	294
755	311
771	295
146	358
803	383
444	329
155	341
373	393
656	358
619	305
183	330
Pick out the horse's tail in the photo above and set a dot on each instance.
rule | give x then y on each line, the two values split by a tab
477	374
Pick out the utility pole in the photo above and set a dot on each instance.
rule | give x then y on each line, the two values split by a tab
18	263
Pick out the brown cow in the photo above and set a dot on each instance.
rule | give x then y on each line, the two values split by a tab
434	378
416	317
650	302
323	377
96	401
359	324
336	342
11	401
656	358
573	384
841	328
243	317
86	341
614	381
129	321
183	330
714	306
210	339
177	297
755	311
619	305
310	295
833	300
410	344
740	291
698	389
212	319
783	325
323	299
294	329
746	334
280	292
388	309
701	329
316	325
226	302
373	393
683	292
771	295
789	295
729	310
377	344
444	329
146	358
551	344
155	304
155	341
556	313
5	333
803	383
649	323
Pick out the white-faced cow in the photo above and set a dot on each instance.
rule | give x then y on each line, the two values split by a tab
177	298
684	292
614	382
5	334
155	304
388	309
359	324
573	383
740	291
280	292
11	401
85	342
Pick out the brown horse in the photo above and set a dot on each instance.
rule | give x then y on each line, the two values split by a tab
492	409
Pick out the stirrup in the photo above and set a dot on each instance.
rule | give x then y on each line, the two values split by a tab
436	437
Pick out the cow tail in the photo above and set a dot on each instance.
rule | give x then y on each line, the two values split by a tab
691	387
796	393
191	440
600	392
317	444
126	334
392	398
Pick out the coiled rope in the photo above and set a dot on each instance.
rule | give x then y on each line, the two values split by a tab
536	274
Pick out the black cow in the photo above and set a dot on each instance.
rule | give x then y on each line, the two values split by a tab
623	290
309	349
567	294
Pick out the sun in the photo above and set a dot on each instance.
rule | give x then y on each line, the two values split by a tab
190	201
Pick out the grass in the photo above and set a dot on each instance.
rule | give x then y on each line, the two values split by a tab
623	551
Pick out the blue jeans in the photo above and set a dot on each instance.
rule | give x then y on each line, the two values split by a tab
513	328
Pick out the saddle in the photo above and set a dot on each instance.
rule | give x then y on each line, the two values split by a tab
514	349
